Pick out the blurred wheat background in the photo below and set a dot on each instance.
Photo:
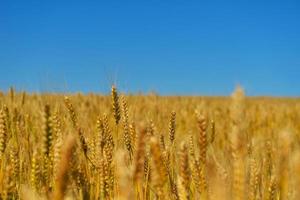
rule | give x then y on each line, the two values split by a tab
144	147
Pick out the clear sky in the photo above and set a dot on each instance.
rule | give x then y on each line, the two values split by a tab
171	47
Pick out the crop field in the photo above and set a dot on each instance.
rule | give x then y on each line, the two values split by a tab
144	147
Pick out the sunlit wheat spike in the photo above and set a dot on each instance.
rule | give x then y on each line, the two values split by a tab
272	189
106	126
109	144
47	147
115	104
15	162
101	134
174	190
83	143
8	185
127	137
192	148
57	143
72	112
7	120
202	125
102	179
47	131
35	171
172	126
146	166
133	136
166	160
3	132
162	142
254	180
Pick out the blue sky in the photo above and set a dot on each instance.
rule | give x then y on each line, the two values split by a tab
171	47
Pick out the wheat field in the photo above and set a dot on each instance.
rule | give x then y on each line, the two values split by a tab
118	146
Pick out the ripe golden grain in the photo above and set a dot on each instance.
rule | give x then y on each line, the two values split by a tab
238	148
